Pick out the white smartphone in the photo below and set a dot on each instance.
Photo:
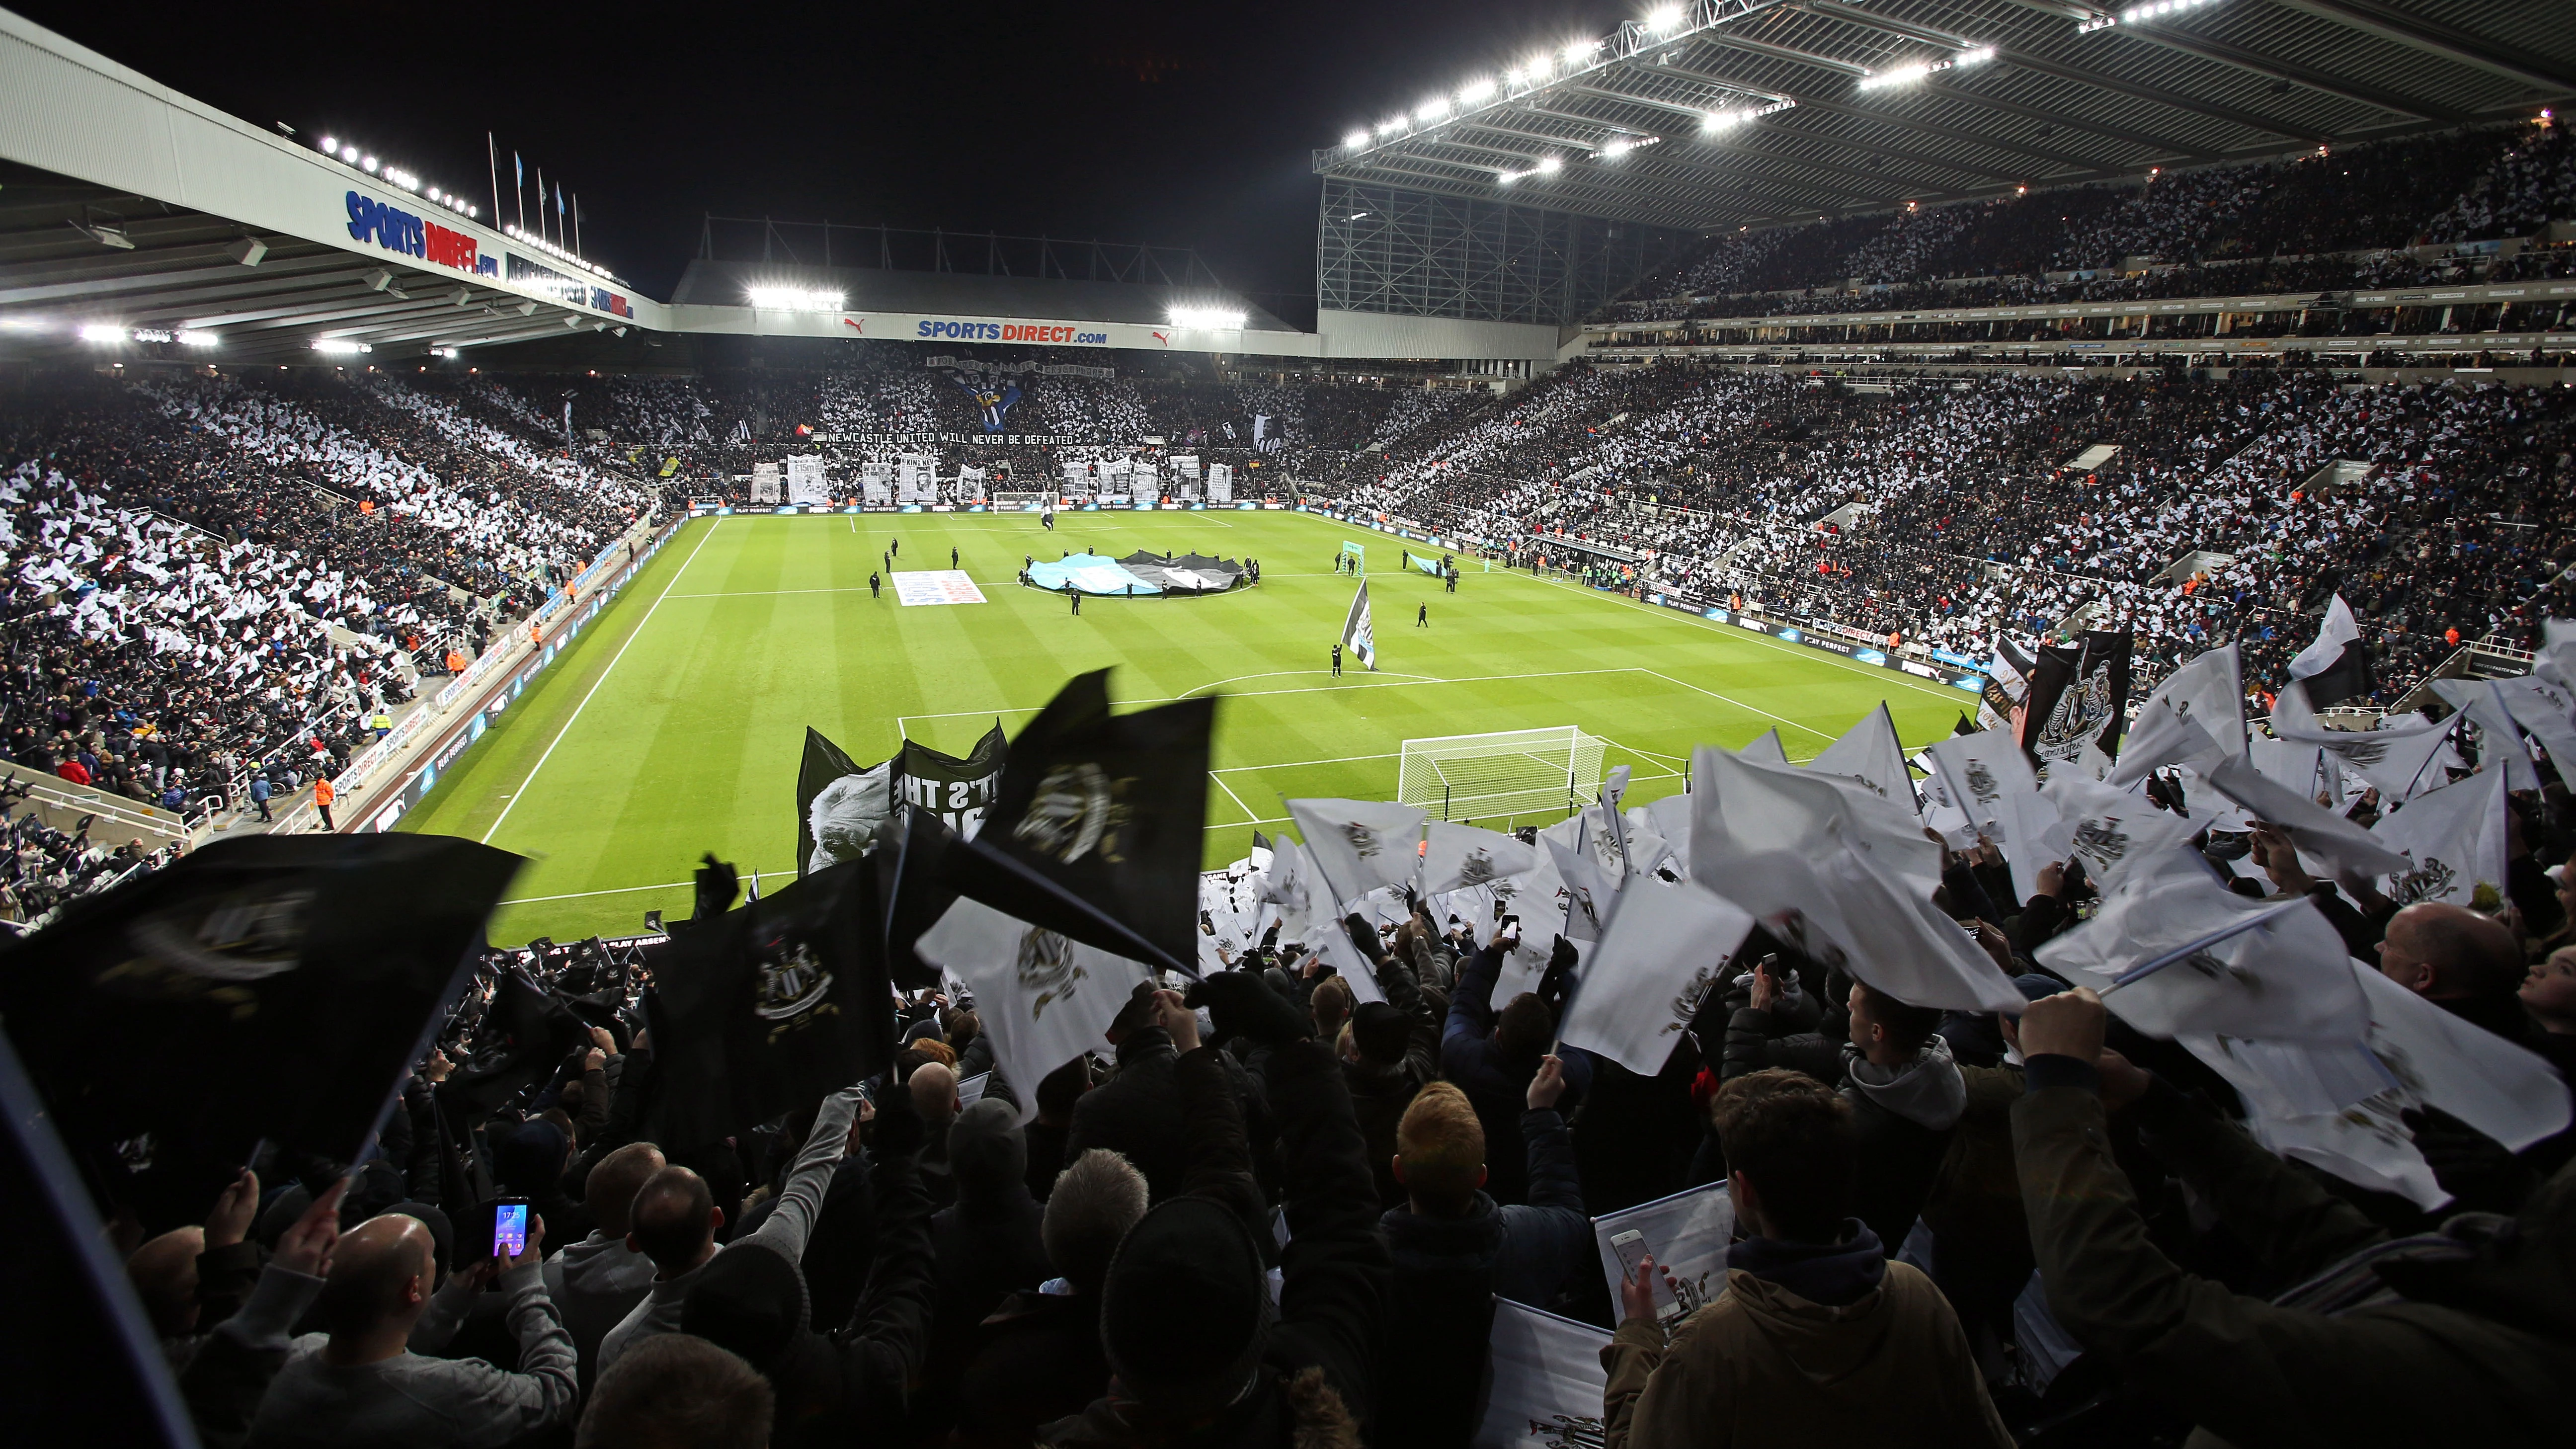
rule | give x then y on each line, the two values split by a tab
1630	1249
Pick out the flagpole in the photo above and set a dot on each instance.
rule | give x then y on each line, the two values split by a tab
576	223
492	157
541	203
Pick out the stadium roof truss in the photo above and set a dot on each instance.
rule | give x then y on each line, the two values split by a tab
76	255
1835	107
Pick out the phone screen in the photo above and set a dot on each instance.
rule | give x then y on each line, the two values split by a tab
1630	1247
509	1229
1512	927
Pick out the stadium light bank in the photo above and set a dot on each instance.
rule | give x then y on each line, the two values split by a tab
351	154
793	299
1208	319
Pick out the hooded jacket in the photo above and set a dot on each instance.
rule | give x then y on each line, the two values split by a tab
1903	1117
987	1245
1497	1083
1884	1362
595	1283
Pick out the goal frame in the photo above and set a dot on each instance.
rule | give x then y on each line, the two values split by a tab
1561	765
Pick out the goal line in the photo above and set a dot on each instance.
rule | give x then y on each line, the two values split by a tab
1502	777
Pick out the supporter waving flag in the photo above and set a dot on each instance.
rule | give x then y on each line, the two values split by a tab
272	986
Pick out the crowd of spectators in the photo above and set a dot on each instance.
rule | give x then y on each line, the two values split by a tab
2333	220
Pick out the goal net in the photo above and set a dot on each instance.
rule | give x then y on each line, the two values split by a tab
1501	777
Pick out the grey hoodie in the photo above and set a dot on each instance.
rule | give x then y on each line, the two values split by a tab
595	1283
1926	1091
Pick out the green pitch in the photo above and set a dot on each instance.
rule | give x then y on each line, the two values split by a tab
676	724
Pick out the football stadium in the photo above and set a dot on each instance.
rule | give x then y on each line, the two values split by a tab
1820	722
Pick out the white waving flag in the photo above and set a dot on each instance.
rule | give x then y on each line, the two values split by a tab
2163	737
1657	962
1588	889
2282	973
1766	748
1670	818
1359	633
1359	845
2315	830
1868	753
1045	999
2454	839
1820	865
2111	831
1979	770
1538	898
2394	756
2498	741
2557	662
1547	1383
2543	710
1462	855
2209	692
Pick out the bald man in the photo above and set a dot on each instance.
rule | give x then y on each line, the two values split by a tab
2460	961
358	1383
675	1219
596	1282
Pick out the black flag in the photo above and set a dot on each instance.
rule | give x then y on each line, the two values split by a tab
271	986
842	807
768	1008
1113	809
525	1035
957	790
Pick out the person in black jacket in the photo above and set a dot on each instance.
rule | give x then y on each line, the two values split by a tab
1398	1041
985	1246
1199	1356
1907	1097
1038	1357
1137	1112
1492	1055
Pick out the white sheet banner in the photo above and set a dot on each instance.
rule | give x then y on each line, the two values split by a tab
1687	1234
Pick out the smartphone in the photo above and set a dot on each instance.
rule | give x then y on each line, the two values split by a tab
509	1227
1630	1248
1512	927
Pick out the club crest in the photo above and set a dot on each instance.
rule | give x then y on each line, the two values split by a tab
2431	881
1046	969
212	947
1687	1003
1362	840
2102	840
1981	783
1478	868
791	981
1070	813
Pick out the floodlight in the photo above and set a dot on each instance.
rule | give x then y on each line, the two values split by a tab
1390	128
368	164
1476	92
339	346
1218	319
1431	110
1665	19
1580	51
1356	141
330	145
101	332
1613	150
1978	56
1903	75
1540	65
192	337
1720	120
1549	166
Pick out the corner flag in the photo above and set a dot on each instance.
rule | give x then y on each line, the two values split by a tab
1358	635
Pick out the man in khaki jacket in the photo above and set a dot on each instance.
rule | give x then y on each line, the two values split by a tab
1818	1338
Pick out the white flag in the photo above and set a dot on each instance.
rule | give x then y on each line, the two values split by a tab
2454	840
1588	890
1818	861
2557	662
2499	742
2289	977
2546	712
2315	830
1868	753
1537	896
2508	1093
1045	999
1657	962
1766	748
1688	1235
1546	1385
1670	818
2209	692
2112	830
2163	737
2333	634
1981	769
1359	633
2393	756
1463	855
1360	845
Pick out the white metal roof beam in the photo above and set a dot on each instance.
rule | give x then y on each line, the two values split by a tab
2419	34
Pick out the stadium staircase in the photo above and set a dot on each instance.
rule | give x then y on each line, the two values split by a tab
112	819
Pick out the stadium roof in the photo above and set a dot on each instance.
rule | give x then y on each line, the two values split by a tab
1725	113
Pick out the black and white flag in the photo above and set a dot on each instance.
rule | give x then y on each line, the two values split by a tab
1045	998
1655	966
2454	841
1458	856
2315	830
1589	889
842	807
2337	666
1980	771
2076	722
1546	1385
1359	632
2398	756
956	788
2547	712
1360	845
2208	693
2111	831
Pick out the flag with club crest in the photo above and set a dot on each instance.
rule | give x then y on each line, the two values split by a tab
1360	845
1113	808
1359	631
1457	856
2173	953
2111	831
1589	891
1045	998
1662	954
2315	830
1837	873
2209	693
1869	755
274	986
1546	1384
2079	724
2395	756
2454	842
2547	712
2482	703
1979	771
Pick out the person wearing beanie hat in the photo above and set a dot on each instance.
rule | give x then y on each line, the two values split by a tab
985	1245
1196	1352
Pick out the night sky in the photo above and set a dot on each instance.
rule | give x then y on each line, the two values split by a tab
1139	121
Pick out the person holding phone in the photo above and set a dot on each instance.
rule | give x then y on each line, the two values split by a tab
358	1382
